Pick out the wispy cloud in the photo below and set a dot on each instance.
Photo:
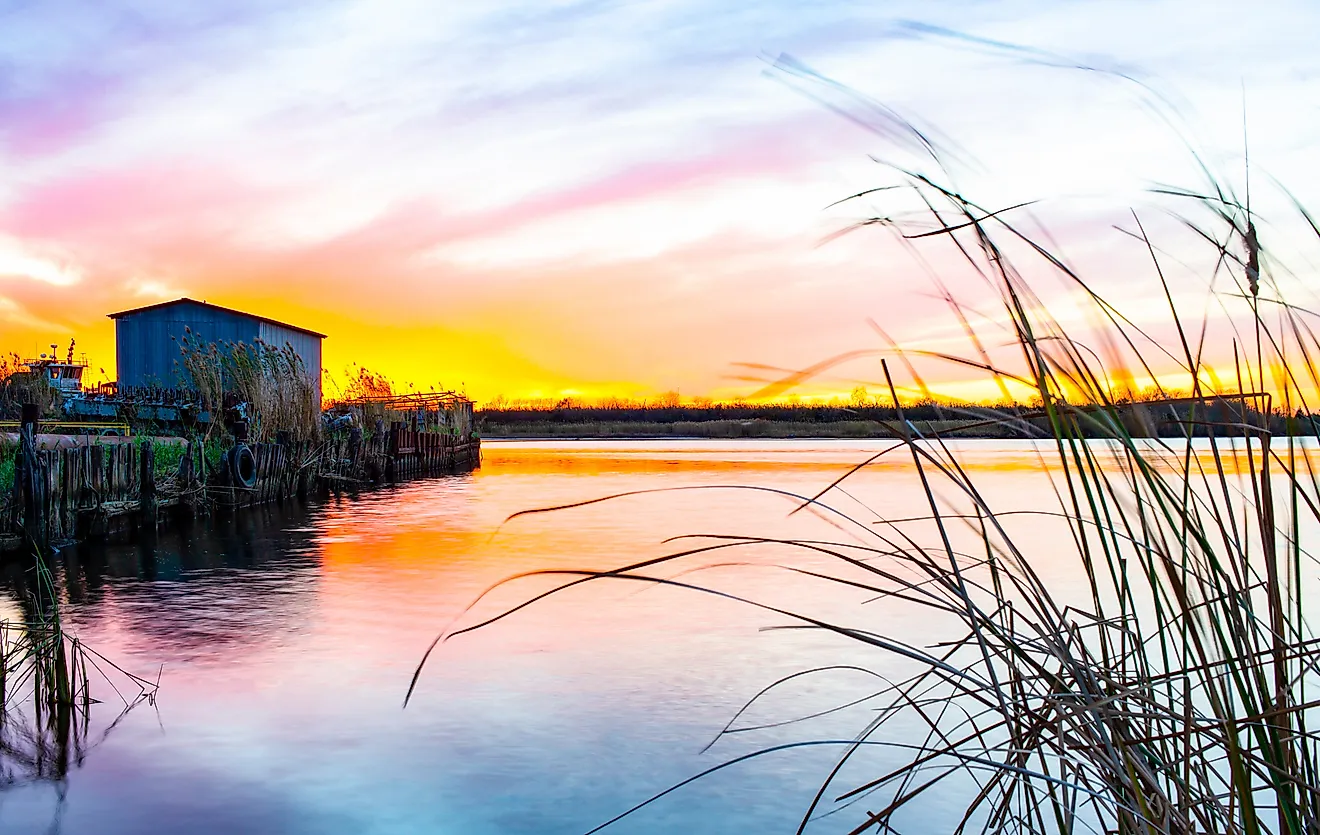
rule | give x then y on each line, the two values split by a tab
608	193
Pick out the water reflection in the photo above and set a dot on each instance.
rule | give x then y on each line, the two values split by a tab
287	638
210	586
50	721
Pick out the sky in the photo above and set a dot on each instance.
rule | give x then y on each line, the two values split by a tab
541	199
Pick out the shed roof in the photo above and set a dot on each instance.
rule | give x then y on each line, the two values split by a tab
121	314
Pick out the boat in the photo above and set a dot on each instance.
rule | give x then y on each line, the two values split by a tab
65	376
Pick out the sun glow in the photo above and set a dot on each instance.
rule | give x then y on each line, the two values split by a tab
636	215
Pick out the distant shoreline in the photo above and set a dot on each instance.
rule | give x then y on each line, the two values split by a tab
1174	419
726	430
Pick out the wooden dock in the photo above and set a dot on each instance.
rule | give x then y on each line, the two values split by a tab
98	490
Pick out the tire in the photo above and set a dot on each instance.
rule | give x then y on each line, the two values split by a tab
243	467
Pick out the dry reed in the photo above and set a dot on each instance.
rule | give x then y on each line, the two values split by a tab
273	386
1177	696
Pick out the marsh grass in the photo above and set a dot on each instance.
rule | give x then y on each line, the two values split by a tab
19	386
280	393
166	456
8	464
1176	693
46	701
46	672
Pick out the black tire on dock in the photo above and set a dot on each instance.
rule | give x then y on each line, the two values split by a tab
243	466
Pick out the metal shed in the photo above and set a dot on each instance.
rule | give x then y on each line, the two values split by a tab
147	350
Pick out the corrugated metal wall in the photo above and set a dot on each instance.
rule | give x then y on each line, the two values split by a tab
147	343
147	355
305	345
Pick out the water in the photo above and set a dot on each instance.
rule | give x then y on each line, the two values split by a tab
285	641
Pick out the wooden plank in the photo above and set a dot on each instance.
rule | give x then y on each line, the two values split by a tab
50	472
98	474
64	488
147	486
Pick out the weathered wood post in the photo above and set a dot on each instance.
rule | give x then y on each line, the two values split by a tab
29	413
13	518
304	470
28	475
147	487
279	472
392	451
97	525
186	478
354	447
66	458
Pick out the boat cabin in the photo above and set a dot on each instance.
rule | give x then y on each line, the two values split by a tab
66	375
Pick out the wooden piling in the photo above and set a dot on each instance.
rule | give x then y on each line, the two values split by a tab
92	489
147	488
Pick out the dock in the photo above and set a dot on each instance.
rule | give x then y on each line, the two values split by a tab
95	490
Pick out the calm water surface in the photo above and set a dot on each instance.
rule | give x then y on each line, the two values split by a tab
286	639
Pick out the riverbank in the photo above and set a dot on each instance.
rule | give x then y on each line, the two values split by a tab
66	493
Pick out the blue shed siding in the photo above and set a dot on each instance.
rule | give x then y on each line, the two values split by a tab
305	345
147	341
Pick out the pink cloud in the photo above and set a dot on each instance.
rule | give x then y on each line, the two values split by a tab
187	207
62	114
153	201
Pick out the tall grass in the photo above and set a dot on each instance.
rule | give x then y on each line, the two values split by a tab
1176	693
19	385
8	467
45	685
276	389
46	701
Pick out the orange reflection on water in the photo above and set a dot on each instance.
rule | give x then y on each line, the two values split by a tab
288	636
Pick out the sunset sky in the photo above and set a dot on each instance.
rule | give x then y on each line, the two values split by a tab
535	198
